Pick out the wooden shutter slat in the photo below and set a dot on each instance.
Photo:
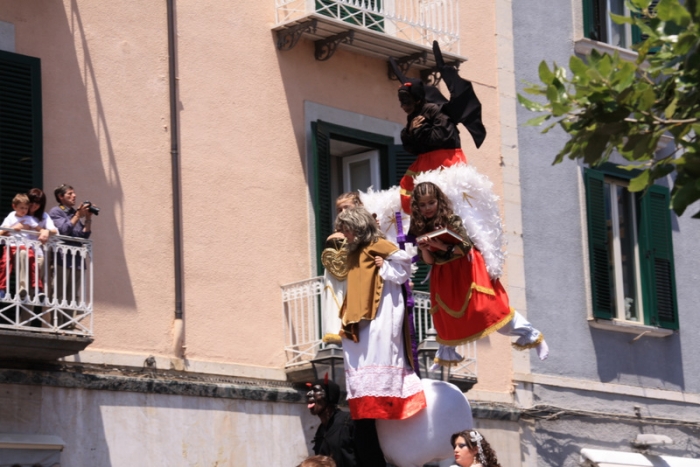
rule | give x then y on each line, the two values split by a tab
599	256
20	125
656	246
322	175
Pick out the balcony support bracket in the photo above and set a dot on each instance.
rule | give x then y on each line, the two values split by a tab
405	63
288	38
432	77
324	49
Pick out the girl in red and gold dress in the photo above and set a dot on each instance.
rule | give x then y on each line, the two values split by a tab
467	303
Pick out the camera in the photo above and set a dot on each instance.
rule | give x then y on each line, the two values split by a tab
93	209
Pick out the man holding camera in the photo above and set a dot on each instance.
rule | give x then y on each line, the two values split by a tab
70	222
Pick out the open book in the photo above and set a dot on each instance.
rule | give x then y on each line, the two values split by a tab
446	236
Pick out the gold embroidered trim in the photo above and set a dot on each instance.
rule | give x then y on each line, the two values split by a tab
392	252
532	345
482	289
450	311
411	173
336	262
332	339
460	313
405	192
481	334
442	362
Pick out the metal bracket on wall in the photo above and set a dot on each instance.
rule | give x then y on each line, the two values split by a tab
325	48
288	38
432	76
405	63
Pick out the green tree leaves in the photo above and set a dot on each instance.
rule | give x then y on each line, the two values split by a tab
607	104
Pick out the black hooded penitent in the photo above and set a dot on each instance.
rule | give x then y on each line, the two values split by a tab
462	107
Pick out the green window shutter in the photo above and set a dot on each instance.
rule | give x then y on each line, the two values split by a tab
594	16
637	35
656	262
588	30
323	208
399	161
598	248
20	126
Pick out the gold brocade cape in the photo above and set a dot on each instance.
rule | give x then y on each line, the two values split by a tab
364	286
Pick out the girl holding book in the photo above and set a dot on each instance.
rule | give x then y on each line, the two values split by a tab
467	304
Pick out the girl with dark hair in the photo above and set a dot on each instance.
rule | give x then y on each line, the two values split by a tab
471	449
467	304
37	207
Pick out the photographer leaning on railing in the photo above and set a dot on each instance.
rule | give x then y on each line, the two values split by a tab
70	222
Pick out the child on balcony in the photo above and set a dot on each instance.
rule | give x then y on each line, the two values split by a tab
466	303
14	223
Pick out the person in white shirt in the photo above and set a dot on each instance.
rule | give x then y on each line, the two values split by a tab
16	224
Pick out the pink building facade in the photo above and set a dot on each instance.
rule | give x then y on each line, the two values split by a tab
202	151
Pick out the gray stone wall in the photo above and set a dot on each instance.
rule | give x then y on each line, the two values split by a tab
117	421
553	234
564	420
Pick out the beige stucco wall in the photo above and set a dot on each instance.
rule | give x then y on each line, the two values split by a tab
243	148
105	115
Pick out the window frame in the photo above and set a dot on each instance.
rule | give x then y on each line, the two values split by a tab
372	157
618	280
392	159
653	255
632	34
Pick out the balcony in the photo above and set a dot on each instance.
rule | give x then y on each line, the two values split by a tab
303	314
48	318
377	28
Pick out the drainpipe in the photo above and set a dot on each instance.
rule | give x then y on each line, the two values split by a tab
178	328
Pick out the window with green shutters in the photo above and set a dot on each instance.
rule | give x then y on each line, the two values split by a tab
393	161
598	26
20	127
630	250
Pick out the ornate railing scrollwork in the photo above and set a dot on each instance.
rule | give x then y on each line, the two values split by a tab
432	77
405	63
325	48
288	38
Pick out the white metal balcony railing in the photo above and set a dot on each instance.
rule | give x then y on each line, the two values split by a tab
302	321
416	21
62	300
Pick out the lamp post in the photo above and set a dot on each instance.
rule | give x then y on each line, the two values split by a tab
426	357
329	360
